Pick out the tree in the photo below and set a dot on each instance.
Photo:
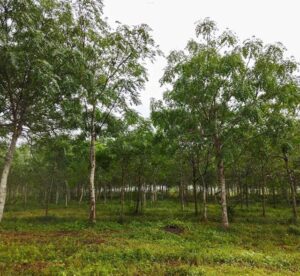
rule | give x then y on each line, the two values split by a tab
111	73
31	43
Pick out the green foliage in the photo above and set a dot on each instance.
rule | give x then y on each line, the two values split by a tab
293	229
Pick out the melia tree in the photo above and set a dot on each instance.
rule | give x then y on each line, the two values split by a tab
111	73
32	40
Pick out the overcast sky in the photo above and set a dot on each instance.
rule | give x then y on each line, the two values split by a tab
173	23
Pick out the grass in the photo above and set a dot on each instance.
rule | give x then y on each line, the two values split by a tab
65	244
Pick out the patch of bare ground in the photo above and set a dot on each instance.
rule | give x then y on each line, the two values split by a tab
175	229
35	267
45	237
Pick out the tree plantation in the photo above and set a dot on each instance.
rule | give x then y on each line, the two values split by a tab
208	184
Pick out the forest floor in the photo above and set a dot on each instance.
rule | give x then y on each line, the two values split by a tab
162	241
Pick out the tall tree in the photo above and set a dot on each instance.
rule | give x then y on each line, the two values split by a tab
111	73
31	43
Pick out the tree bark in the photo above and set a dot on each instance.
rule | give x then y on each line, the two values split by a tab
153	192
138	206
66	193
274	197
144	195
48	196
292	185
247	195
57	194
263	195
222	183
92	216
104	193
204	199
195	186
122	195
81	194
181	186
25	195
6	169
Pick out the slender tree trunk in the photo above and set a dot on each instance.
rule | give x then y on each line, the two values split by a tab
92	215
104	193
57	194
97	192
222	183
153	192
122	195
110	191
66	193
181	191
81	194
263	188
195	186
181	187
292	185
25	194
130	188
6	169
139	196
240	190
144	196
274	197
204	199
247	195
48	195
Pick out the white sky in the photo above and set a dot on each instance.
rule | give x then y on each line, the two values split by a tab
173	23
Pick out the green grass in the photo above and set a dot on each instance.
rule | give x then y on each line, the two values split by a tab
65	244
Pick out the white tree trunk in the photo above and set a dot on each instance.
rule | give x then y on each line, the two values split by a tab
6	169
92	215
222	183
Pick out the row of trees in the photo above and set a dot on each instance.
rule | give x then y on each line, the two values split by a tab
138	165
62	67
68	82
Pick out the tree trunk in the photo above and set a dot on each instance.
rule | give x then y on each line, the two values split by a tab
25	195
144	195
81	194
222	183
240	190
6	169
274	197
195	186
153	193
104	193
92	216
48	195
57	194
264	196
139	197
181	191
293	187
122	195
110	194
181	187
66	193
204	199
247	195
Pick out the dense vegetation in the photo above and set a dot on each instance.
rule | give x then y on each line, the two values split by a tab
211	178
